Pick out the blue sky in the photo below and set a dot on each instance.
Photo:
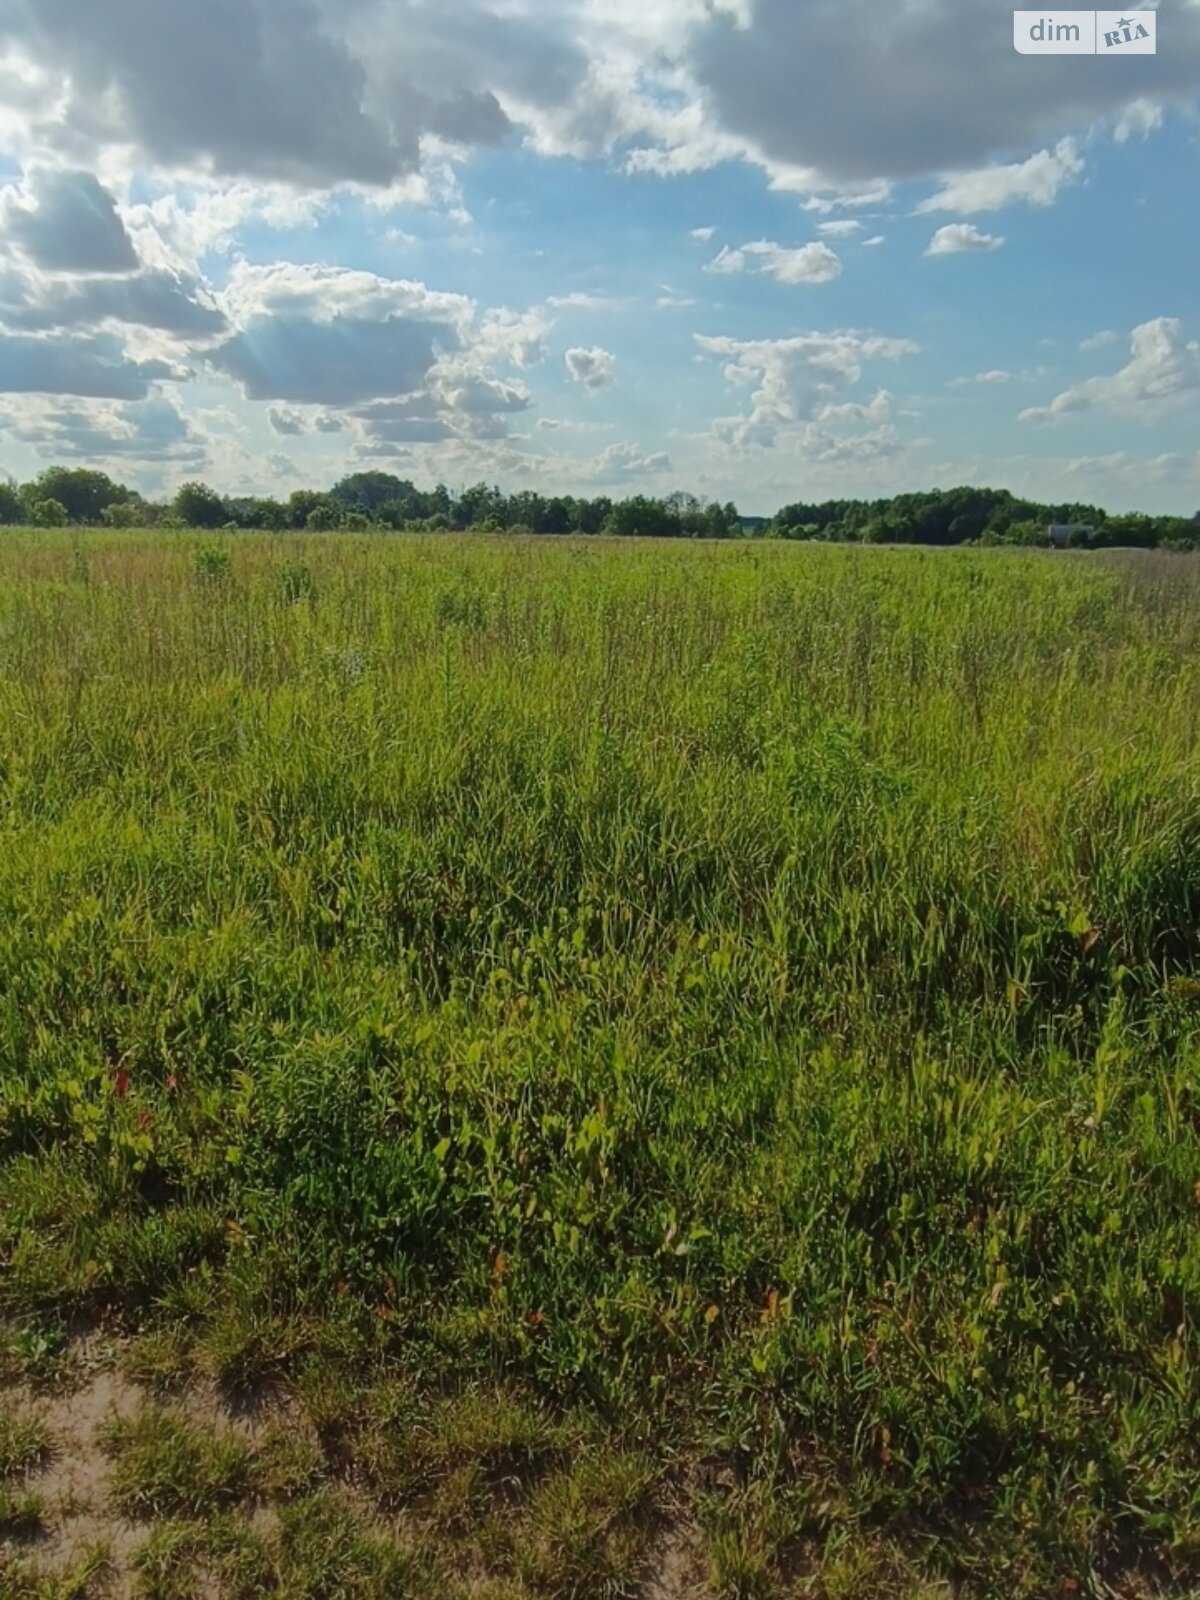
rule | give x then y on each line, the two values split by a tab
764	250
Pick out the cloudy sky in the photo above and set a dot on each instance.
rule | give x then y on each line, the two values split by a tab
761	249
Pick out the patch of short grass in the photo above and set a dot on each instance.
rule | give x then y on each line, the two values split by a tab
287	1462
165	1465
184	1560
458	1449
24	1441
22	1512
587	1533
328	1552
160	1359
87	1578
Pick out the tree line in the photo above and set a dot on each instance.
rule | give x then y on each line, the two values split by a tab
61	496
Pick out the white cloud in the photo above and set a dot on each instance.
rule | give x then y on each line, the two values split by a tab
103	432
797	381
840	227
831	102
1162	374
594	369
808	263
285	420
703	234
1035	182
577	300
873	241
1098	341
957	237
627	461
1138	120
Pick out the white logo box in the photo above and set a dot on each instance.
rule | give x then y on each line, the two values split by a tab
1085	33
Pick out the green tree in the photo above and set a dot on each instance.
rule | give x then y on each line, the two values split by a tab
323	518
12	507
198	506
640	517
83	493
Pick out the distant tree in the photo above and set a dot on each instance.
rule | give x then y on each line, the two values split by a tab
355	522
268	514
591	515
557	514
82	493
300	503
50	514
479	503
323	518
198	506
124	514
640	517
12	507
368	491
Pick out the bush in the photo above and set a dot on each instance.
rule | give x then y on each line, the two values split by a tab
212	565
50	514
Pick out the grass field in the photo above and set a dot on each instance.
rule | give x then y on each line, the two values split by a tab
674	1069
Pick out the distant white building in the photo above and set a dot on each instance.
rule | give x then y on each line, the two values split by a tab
1061	534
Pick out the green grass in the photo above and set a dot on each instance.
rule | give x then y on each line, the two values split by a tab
748	996
164	1465
24	1442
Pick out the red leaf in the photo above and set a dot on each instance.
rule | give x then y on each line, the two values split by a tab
121	1083
172	1082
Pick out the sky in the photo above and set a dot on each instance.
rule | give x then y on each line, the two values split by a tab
761	250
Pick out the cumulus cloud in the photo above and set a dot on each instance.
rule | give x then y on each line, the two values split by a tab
619	461
158	299
66	222
230	86
1035	182
796	381
821	99
594	369
703	234
840	227
957	237
833	102
94	367
809	263
856	92
286	421
334	337
148	430
1163	373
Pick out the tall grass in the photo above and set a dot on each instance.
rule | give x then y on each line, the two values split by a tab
751	990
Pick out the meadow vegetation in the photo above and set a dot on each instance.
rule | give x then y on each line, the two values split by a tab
669	1057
